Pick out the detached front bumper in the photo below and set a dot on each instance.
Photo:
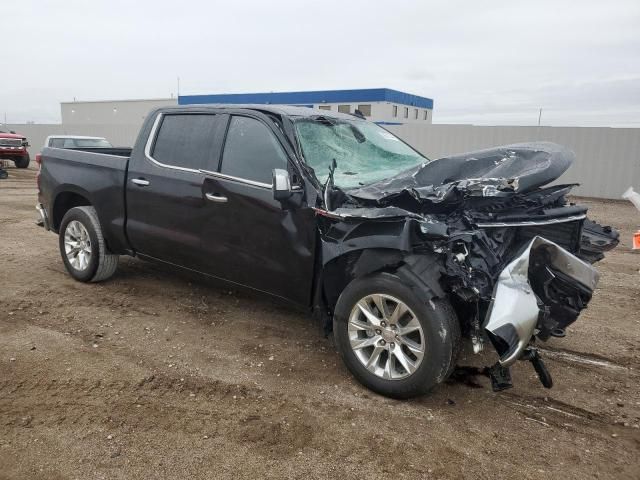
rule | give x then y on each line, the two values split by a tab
538	294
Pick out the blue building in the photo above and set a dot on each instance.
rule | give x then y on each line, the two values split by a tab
381	105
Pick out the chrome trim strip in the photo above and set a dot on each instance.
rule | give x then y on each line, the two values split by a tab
147	153
149	144
532	223
237	179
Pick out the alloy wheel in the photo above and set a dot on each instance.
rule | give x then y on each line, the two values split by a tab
77	245
386	336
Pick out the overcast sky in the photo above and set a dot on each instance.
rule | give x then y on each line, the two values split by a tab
483	62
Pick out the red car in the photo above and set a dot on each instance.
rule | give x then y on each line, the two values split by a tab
13	146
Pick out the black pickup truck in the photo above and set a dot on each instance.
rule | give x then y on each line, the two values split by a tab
400	256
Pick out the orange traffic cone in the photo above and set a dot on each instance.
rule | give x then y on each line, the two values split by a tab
636	240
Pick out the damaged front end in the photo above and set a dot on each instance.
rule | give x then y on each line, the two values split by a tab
512	256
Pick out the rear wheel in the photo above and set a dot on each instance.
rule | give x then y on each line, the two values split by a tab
22	162
82	246
392	340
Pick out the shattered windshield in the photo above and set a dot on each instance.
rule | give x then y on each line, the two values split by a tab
363	151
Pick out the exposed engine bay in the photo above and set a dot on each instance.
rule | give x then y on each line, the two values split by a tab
511	253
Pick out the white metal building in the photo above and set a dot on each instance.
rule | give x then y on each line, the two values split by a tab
381	105
111	112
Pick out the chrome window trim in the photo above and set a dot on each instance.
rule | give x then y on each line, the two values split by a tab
149	145
223	176
147	153
532	223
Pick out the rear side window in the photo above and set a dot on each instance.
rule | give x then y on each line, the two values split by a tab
189	141
251	151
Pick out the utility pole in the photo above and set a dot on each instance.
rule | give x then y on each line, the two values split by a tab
539	116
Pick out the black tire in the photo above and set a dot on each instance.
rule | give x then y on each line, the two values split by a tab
22	162
437	319
102	264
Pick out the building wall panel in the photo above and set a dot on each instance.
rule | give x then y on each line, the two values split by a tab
607	159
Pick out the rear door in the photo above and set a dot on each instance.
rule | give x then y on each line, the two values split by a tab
166	206
248	237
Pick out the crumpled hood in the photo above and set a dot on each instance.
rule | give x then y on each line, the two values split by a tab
497	171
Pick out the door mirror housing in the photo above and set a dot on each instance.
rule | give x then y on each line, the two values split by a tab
281	185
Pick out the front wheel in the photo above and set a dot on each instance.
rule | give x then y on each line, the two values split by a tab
22	162
82	246
393	341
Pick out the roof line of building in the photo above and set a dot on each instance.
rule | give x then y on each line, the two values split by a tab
119	101
313	97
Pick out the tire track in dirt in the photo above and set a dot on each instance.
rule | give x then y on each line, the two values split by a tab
159	403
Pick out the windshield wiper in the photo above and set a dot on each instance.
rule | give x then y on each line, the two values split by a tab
329	185
323	119
360	138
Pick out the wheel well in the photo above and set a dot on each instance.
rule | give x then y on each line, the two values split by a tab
65	202
340	271
418	271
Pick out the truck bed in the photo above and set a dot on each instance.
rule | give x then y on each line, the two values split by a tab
72	175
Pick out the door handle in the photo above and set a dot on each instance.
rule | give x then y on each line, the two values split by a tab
216	198
140	182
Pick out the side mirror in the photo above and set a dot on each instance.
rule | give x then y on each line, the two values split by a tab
281	185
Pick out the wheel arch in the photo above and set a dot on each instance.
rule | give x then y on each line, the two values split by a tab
421	272
64	201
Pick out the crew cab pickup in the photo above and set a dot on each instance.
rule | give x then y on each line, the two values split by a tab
400	256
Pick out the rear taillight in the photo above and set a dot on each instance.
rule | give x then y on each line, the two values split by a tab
39	158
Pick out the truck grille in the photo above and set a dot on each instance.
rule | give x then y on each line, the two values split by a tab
567	234
10	142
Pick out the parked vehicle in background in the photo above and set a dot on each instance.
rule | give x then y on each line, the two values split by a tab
84	143
399	255
13	146
76	141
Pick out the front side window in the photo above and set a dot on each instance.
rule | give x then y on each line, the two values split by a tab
251	151
364	152
188	141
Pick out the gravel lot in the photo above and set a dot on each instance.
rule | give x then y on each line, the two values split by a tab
158	373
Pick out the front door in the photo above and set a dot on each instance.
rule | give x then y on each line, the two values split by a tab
248	237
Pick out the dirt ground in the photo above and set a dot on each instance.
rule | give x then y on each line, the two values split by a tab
161	374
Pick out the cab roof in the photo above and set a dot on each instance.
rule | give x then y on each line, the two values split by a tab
283	110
